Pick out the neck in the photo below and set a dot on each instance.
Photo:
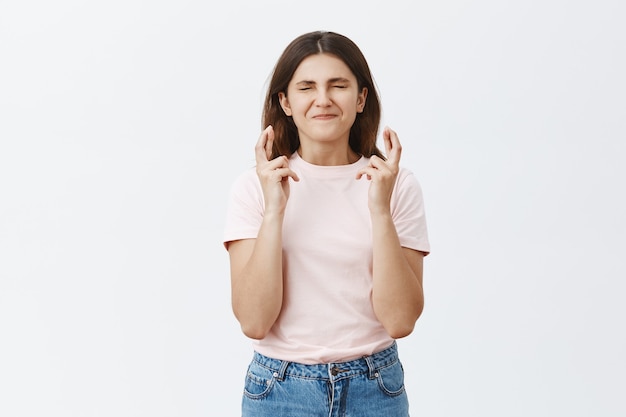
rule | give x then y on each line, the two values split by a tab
328	156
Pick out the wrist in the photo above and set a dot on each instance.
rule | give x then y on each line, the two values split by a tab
380	212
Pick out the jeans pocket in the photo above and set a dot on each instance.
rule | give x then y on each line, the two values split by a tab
391	379
259	381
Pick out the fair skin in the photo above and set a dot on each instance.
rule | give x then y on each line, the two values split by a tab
323	98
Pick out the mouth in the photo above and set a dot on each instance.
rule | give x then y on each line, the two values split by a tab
326	116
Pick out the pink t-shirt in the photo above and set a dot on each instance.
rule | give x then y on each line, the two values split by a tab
327	313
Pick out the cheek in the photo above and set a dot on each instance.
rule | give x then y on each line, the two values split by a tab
300	108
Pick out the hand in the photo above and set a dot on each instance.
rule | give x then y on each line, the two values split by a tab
383	174
274	175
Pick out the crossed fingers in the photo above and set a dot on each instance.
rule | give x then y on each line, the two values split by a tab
378	166
263	148
393	149
278	168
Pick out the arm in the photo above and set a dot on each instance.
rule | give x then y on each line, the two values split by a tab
397	295
257	278
256	264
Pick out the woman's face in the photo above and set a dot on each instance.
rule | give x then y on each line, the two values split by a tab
323	98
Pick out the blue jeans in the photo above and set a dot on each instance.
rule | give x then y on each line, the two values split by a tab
372	386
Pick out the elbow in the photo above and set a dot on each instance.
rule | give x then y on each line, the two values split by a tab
402	326
256	332
255	327
255	323
400	331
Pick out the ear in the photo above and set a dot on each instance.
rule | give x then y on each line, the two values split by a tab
284	103
360	103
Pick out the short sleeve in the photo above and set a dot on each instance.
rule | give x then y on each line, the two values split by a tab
245	208
408	213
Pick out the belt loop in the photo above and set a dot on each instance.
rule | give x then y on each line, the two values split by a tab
371	368
282	370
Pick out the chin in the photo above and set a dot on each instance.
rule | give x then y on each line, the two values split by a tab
327	135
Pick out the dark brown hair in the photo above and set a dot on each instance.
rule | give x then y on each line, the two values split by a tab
365	128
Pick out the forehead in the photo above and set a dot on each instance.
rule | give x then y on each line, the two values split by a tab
321	67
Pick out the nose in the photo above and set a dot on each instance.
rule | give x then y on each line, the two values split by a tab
322	99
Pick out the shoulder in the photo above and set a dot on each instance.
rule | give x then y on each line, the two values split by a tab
246	189
407	179
408	190
248	179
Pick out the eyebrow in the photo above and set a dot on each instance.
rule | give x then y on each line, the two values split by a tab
330	81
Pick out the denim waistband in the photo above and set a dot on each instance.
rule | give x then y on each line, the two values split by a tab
334	370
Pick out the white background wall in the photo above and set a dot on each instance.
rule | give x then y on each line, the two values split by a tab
123	123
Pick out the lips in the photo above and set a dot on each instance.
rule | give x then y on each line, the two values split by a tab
325	116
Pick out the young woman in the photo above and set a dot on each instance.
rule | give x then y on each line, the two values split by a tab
326	238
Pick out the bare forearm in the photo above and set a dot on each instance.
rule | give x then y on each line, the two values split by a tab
257	290
397	297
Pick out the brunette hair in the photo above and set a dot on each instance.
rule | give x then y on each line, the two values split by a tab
365	128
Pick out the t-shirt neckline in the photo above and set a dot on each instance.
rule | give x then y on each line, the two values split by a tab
298	163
